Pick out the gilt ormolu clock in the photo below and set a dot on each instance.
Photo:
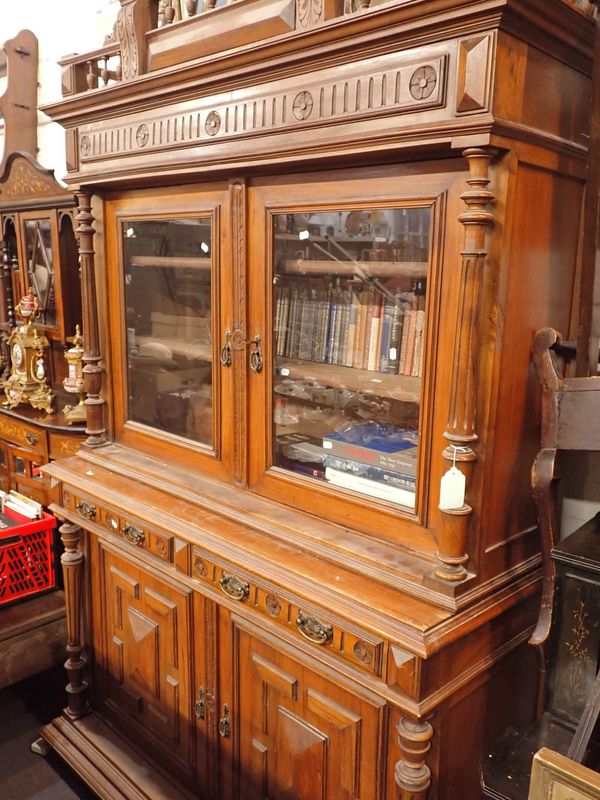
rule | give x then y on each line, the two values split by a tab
27	381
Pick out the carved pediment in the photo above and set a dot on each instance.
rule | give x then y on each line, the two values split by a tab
25	179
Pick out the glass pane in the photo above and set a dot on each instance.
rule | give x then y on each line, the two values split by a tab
40	267
19	465
167	267
349	311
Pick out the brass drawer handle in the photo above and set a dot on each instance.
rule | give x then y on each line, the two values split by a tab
31	438
133	534
234	587
86	510
256	356
313	629
225	723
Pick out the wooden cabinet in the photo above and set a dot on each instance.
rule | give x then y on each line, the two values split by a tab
301	556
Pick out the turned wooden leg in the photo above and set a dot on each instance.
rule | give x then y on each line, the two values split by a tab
412	774
72	565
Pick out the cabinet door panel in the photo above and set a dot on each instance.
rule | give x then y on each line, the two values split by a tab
301	736
144	671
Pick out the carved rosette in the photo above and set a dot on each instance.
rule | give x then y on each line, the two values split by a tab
303	105
423	82
412	775
460	432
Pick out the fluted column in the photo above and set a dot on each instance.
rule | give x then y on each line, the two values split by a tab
460	431
72	565
93	371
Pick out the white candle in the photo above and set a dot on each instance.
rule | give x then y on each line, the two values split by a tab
452	489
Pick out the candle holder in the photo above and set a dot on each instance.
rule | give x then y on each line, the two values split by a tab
74	383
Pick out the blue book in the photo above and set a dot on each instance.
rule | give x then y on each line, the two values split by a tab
384	446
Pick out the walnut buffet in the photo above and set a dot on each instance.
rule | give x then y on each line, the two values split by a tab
315	245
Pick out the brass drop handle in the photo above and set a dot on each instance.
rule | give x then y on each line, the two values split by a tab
313	629
86	510
225	354
256	356
234	587
133	534
225	723
31	438
200	707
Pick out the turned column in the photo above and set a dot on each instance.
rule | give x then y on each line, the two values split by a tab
460	431
412	774
72	566
93	370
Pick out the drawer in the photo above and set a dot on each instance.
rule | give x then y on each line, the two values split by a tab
126	528
23	435
313	627
63	444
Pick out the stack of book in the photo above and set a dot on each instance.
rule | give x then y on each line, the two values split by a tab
364	329
21	504
376	460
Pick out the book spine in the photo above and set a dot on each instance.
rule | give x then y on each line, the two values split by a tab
368	471
353	310
417	364
393	494
321	342
368	322
359	337
396	329
335	344
386	335
374	342
331	329
408	336
285	310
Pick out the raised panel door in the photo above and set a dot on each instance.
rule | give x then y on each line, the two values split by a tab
142	636
300	735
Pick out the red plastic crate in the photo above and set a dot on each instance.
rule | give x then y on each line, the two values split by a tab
26	557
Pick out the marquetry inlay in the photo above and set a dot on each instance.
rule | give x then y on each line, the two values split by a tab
397	85
24	182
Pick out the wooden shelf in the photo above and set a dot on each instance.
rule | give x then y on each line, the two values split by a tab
359	269
397	387
191	349
172	261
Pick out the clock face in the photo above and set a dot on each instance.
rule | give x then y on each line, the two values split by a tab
17	355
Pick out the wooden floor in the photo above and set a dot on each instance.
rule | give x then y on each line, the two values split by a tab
24	708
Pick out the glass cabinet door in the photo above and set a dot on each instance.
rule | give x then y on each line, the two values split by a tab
167	275
344	288
166	265
349	310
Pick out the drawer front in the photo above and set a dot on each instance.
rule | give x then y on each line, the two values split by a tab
23	435
62	444
127	528
314	627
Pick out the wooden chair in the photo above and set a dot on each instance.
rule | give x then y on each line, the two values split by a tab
567	633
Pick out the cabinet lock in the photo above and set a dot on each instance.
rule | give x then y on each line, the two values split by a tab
256	356
133	534
225	723
200	707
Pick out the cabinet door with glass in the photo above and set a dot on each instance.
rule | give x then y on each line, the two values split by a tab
351	318
168	288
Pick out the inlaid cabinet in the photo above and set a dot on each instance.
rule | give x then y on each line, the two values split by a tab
301	557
